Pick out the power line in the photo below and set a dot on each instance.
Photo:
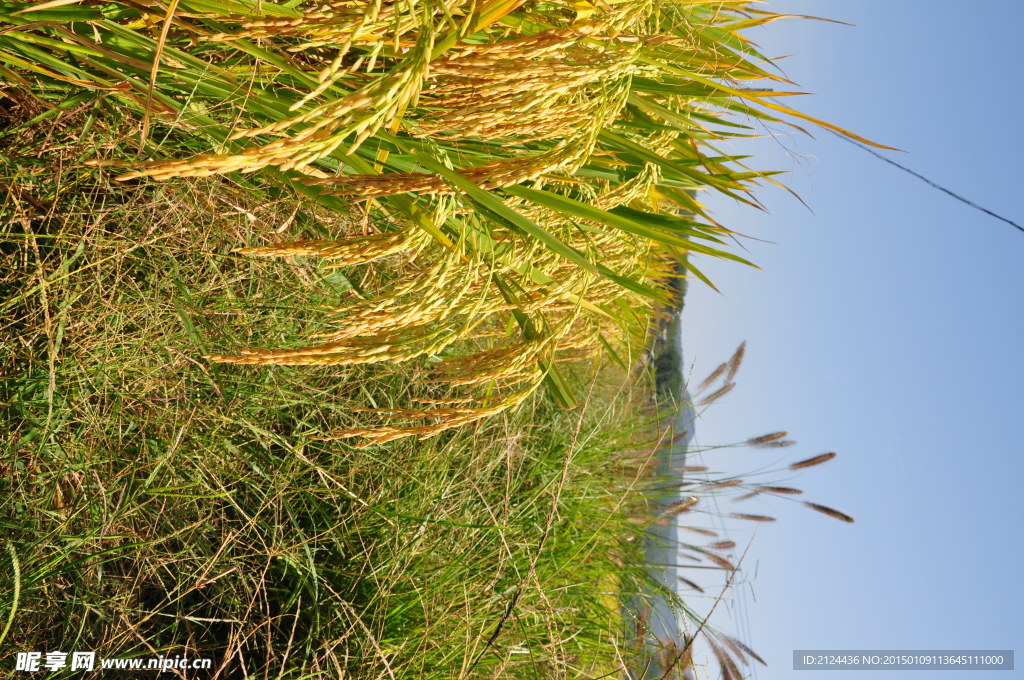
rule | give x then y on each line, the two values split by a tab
929	182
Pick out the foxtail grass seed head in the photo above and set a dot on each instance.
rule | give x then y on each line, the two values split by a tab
712	377
811	462
730	671
702	532
690	584
752	518
735	361
717	394
831	512
782	443
677	438
680	506
723	545
722	485
766	438
787	490
742	649
720	561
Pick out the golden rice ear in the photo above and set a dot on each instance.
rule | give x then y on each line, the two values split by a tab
446	419
343	252
637	188
493	175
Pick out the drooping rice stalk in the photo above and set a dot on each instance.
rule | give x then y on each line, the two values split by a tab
544	156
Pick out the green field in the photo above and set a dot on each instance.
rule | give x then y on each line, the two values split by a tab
326	329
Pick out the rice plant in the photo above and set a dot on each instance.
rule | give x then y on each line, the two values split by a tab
479	204
535	162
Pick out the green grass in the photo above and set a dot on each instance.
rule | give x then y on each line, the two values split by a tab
155	503
158	502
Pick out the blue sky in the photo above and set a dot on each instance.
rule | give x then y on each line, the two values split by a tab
886	326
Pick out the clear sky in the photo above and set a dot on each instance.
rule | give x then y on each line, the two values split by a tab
887	326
